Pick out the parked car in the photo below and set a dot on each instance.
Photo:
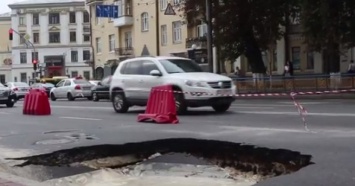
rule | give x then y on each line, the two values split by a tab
47	87
71	89
19	88
94	82
134	78
102	89
7	96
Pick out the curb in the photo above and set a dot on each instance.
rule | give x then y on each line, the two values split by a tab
12	180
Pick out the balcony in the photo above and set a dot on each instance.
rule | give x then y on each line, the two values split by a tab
200	42
124	52
89	2
124	20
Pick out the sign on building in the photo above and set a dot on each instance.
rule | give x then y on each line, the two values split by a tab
169	10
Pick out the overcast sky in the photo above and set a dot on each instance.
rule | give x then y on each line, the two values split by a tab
5	9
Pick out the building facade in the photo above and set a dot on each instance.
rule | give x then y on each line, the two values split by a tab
56	34
5	48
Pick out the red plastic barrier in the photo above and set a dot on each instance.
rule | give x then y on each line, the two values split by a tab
36	103
160	106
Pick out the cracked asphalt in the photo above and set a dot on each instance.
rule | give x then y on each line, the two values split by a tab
266	123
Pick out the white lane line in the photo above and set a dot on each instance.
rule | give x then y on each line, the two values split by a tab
79	107
264	105
77	118
296	113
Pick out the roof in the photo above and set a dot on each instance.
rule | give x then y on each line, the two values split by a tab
45	3
27	2
5	15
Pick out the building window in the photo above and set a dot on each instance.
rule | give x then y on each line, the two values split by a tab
74	56
54	18
2	79
98	45
145	21
177	38
111	39
34	56
310	60
164	35
86	37
163	4
22	21
86	55
23	77
35	19
86	75
22	38
74	74
72	17
86	17
54	37
296	57
36	38
128	10
128	39
202	30
72	37
23	57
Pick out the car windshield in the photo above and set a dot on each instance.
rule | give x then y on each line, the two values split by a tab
20	84
81	82
180	66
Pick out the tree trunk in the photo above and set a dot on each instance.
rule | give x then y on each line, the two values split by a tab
253	53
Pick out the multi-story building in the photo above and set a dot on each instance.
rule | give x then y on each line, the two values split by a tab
5	48
56	33
142	29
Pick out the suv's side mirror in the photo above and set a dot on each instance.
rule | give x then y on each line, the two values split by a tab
99	83
155	73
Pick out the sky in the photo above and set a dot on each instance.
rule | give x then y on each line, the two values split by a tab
5	9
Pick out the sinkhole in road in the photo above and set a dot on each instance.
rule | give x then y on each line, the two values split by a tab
235	158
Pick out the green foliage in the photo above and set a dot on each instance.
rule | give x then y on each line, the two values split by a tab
243	26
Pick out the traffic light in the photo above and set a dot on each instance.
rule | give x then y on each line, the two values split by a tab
35	63
11	32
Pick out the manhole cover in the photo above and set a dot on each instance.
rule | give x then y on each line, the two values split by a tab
54	141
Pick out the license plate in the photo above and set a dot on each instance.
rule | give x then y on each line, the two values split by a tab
24	89
224	92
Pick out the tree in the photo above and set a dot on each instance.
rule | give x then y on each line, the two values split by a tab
328	27
243	26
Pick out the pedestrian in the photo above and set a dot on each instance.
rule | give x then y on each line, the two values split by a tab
351	68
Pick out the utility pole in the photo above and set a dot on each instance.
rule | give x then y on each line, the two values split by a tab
33	47
209	35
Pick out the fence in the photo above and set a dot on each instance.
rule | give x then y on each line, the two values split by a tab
275	84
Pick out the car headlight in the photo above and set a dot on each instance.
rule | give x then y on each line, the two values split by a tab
196	83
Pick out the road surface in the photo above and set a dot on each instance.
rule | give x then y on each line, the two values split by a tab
266	123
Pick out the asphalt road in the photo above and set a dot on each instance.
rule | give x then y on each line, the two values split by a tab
267	123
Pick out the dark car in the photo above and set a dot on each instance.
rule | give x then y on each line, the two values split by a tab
43	86
102	89
7	96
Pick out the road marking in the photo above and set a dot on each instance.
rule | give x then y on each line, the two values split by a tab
265	105
79	107
296	113
307	103
77	118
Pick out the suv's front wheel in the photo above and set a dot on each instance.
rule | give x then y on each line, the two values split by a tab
180	103
119	103
221	107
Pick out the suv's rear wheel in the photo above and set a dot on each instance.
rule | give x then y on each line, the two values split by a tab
119	103
180	103
221	107
10	104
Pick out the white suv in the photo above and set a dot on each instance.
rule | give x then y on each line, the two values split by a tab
134	78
